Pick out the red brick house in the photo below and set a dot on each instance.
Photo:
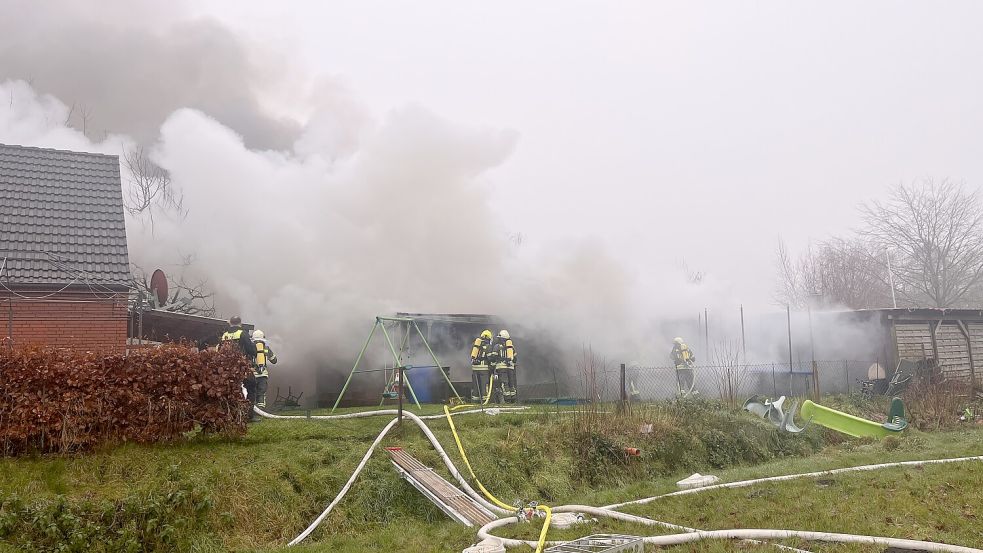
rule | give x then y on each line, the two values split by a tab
64	267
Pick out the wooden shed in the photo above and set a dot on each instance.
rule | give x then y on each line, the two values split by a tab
951	338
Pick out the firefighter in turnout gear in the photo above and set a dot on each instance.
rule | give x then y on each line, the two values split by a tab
479	366
684	360
261	374
496	376
505	365
238	338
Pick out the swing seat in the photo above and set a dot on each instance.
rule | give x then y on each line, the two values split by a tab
390	395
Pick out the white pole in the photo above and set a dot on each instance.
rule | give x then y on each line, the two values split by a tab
890	277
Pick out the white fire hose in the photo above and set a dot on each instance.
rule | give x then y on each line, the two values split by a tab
426	431
696	535
743	483
744	534
688	535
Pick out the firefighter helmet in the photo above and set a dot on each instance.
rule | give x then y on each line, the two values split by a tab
678	340
258	335
504	334
486	334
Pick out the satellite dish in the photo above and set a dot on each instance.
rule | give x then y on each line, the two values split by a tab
158	287
876	372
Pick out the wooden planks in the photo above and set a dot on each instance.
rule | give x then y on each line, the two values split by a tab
914	341
957	356
953	350
976	338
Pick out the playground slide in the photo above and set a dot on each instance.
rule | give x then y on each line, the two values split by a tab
845	423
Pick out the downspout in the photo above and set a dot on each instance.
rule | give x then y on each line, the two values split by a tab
10	305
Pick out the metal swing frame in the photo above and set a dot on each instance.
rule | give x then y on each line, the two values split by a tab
398	367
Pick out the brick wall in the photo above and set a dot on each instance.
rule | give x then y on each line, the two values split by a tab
80	320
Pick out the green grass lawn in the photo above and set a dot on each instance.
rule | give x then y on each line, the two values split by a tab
933	503
257	492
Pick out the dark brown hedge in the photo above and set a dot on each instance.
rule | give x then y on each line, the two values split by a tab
54	401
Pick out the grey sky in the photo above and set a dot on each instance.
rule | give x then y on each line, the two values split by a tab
651	132
695	129
394	145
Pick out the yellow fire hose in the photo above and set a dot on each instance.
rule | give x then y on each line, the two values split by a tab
485	402
492	498
491	378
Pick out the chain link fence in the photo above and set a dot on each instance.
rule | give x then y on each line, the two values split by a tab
726	382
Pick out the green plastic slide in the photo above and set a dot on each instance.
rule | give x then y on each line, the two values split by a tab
855	426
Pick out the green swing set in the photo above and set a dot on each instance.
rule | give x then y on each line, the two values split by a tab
392	389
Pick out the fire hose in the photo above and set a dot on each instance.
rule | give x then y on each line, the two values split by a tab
696	535
544	508
426	431
608	511
758	534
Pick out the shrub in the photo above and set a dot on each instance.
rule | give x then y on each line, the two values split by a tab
935	403
55	401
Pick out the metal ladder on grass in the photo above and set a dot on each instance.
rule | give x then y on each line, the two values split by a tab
452	501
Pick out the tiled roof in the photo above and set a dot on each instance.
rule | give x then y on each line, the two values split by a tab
61	218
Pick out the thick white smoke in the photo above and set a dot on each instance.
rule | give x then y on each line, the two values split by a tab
369	217
308	214
312	249
359	220
125	66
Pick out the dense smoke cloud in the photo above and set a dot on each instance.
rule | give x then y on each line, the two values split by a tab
311	246
125	66
310	226
374	217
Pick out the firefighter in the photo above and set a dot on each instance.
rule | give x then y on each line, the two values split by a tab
239	339
264	357
684	360
496	374
479	366
506	366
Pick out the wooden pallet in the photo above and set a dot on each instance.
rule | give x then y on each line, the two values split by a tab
455	503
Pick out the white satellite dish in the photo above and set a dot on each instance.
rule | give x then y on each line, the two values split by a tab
876	372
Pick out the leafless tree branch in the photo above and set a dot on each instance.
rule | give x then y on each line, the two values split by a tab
837	273
184	296
150	186
934	233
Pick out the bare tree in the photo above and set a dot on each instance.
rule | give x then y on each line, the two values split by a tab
68	117
183	296
515	239
789	291
933	231
850	275
732	374
693	276
150	186
85	115
839	272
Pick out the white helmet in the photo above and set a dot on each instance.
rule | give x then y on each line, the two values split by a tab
258	335
678	340
504	334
